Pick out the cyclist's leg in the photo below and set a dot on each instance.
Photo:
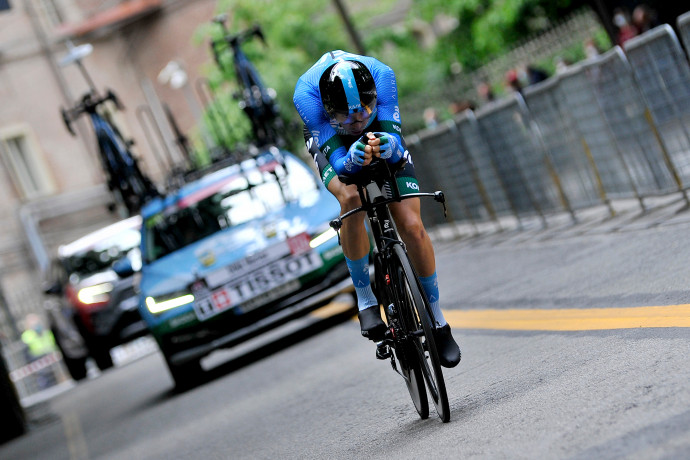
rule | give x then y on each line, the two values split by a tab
353	234
408	219
355	243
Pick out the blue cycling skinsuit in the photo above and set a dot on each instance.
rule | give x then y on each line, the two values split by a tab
337	151
327	142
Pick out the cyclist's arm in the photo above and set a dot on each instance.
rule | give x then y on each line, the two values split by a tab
387	107
308	105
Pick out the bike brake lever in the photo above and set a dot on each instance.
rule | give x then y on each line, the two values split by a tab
336	224
441	198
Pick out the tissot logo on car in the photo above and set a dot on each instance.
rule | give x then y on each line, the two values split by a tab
257	283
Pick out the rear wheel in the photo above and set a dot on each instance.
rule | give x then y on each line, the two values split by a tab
422	328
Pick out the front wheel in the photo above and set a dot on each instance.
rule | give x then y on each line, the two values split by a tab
406	356
414	379
185	375
410	295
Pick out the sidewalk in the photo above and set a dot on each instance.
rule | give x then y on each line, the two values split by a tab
628	215
37	405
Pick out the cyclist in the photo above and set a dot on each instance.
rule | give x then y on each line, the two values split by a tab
340	98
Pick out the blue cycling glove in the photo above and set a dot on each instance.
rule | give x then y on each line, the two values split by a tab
389	148
355	156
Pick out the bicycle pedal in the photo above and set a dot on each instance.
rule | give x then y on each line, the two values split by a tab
383	352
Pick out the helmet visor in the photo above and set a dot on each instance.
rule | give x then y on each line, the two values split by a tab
362	113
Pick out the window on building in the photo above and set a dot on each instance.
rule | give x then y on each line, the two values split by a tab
25	164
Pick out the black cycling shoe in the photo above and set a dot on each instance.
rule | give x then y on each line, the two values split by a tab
448	350
373	327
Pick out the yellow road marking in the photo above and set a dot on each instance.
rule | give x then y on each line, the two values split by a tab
571	319
332	309
557	319
76	442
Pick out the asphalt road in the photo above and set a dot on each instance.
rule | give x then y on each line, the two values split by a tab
317	392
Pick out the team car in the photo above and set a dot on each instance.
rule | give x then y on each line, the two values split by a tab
90	308
235	253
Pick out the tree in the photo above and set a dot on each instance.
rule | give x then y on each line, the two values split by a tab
465	34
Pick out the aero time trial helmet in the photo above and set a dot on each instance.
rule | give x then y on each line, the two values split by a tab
347	88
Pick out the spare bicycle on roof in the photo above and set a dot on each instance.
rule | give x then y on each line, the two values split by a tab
130	187
256	100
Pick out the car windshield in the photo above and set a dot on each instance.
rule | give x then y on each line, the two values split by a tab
100	255
232	201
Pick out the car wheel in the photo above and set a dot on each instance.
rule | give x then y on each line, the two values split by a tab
101	355
184	375
75	366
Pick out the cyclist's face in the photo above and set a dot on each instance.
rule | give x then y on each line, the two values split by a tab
355	123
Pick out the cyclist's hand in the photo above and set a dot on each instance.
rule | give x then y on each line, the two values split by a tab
359	153
384	146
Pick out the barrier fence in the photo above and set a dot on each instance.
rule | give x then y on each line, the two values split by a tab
615	126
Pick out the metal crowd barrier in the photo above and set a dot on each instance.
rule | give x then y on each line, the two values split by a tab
31	377
683	23
663	76
615	126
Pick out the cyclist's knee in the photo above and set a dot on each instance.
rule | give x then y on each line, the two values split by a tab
411	227
347	196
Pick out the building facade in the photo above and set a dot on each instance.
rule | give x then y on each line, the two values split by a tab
51	182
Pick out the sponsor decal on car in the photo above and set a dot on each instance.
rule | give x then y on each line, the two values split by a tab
257	279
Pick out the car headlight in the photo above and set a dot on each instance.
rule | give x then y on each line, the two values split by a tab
323	237
167	302
95	294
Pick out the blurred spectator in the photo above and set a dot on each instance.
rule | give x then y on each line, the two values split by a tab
561	64
524	75
485	92
591	49
644	18
457	107
430	118
512	81
626	29
39	342
534	74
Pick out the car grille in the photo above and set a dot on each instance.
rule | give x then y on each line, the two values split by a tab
227	323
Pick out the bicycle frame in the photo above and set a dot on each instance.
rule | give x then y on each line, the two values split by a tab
257	101
377	189
125	179
409	339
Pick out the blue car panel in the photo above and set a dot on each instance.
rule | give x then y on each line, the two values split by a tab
236	252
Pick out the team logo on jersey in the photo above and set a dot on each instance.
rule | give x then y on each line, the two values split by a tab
396	115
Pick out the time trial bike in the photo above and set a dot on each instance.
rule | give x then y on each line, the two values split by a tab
256	100
130	187
409	341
